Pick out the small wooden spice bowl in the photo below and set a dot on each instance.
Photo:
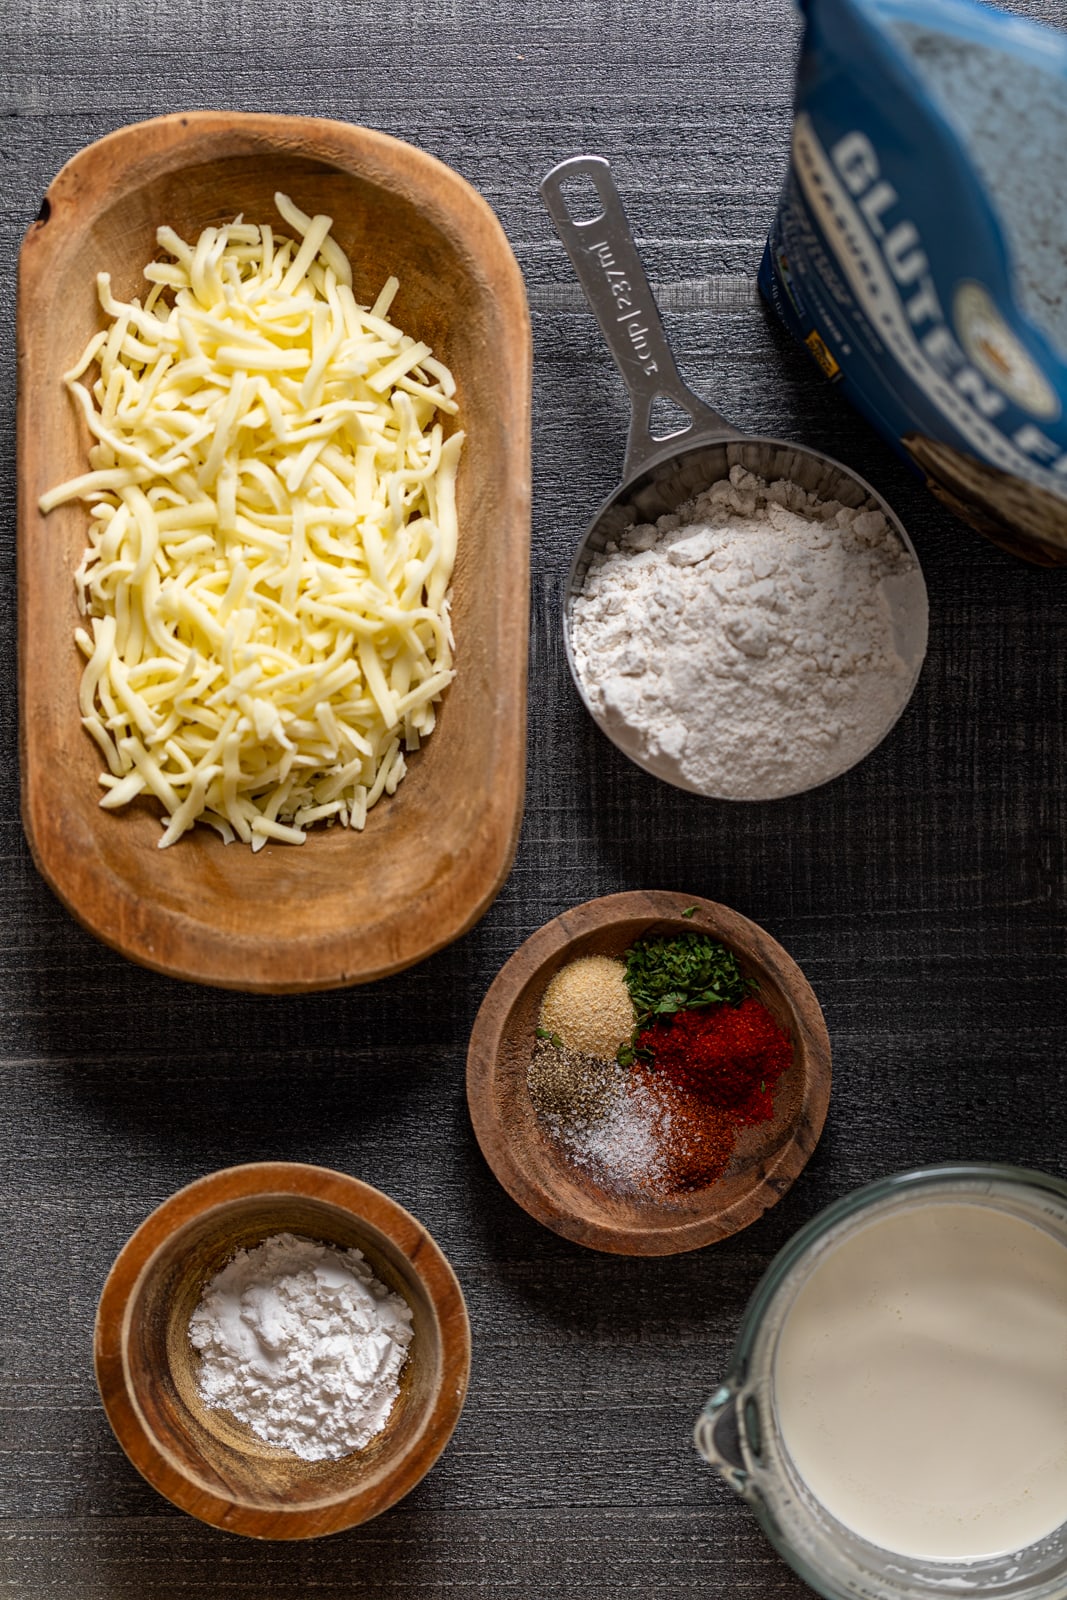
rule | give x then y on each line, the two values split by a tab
533	1169
346	907
204	1460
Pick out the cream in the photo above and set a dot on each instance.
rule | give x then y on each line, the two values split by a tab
920	1382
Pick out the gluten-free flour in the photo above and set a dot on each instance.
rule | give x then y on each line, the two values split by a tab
302	1342
744	646
919	252
1013	121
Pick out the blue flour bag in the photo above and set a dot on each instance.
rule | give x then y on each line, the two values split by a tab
920	247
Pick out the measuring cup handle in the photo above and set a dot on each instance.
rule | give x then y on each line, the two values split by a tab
604	255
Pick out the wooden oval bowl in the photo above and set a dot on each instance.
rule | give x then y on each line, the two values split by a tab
344	907
205	1460
530	1165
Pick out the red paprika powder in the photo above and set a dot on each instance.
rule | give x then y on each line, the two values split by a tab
722	1053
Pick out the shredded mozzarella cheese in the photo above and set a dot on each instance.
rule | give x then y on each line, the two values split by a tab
266	585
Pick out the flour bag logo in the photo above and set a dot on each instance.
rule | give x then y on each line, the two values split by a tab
920	247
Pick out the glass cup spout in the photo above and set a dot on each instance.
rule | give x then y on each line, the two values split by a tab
717	1436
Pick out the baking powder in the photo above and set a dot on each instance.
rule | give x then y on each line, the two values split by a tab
744	647
300	1341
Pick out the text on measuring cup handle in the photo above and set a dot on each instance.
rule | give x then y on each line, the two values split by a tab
629	314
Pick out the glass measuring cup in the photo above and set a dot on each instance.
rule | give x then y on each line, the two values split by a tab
738	1430
661	472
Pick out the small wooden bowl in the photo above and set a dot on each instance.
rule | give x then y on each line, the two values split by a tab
204	1460
344	907
530	1165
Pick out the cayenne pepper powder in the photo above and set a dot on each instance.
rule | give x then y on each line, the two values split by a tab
696	1138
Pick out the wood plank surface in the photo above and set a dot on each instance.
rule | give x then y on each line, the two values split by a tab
921	894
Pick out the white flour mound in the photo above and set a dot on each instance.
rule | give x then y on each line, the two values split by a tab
744	646
301	1341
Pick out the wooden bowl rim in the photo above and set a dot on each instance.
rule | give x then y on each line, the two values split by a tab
164	938
204	129
677	1234
262	1180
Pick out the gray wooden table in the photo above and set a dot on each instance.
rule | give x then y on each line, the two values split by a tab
922	893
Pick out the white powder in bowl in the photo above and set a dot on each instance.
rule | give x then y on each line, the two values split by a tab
302	1342
745	646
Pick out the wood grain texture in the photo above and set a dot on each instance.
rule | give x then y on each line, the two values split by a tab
204	1460
922	894
346	906
537	1174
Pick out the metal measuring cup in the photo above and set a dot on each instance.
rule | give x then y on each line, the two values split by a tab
660	473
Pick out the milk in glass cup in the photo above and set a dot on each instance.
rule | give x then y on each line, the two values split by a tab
896	1412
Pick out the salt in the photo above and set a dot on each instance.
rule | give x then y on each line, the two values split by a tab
605	1120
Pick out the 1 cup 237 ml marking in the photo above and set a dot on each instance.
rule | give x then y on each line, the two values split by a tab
628	313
